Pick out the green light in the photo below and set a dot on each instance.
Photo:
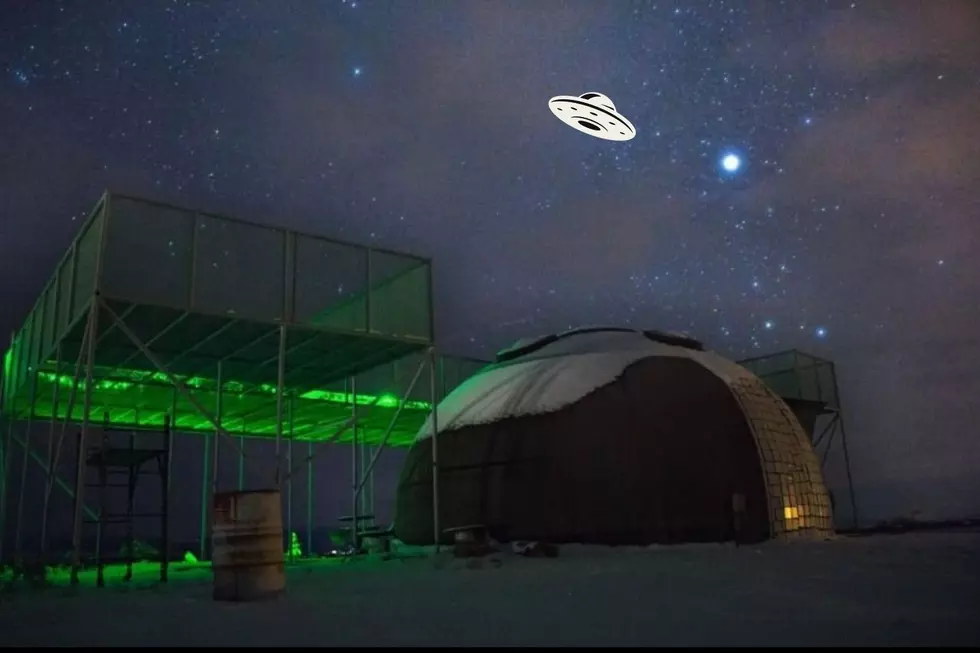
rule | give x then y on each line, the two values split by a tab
139	398
295	549
230	387
7	380
385	401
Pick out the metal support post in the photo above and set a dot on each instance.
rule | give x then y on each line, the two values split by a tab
46	506
170	422
202	535
219	408
5	438
80	467
340	430
4	456
19	524
168	444
280	383
436	531
354	470
209	472
391	426
241	463
855	522
826	429
366	454
847	458
309	498
289	481
52	470
372	504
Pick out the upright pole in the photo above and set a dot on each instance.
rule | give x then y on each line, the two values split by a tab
309	497
436	531
850	480
367	476
210	483
81	460
5	441
19	525
847	458
280	383
52	469
203	512
219	406
4	455
363	456
55	401
289	481
241	463
171	425
168	444
354	475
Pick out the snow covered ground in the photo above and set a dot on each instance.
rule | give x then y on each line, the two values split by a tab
912	589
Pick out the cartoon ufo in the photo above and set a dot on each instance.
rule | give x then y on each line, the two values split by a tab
593	114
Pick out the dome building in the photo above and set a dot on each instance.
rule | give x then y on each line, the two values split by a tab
615	436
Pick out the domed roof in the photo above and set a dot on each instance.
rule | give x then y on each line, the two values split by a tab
542	375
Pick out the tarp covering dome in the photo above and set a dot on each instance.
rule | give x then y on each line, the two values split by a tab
615	436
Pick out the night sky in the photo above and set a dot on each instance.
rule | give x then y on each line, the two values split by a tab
849	229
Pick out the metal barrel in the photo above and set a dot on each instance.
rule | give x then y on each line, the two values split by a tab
247	546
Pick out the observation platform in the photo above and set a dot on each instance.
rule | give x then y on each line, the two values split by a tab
203	291
807	383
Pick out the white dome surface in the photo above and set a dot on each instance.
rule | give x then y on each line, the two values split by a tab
557	375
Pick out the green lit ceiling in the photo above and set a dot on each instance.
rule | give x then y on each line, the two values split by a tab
137	398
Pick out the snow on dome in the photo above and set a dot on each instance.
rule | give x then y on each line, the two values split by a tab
542	375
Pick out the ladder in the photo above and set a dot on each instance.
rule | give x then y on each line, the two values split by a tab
120	468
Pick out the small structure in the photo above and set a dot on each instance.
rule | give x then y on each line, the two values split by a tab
614	436
808	385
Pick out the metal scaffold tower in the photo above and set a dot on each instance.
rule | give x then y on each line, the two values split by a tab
808	384
244	333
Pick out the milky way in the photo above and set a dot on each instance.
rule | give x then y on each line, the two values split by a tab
848	228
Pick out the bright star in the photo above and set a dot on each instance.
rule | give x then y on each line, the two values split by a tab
821	332
731	162
357	72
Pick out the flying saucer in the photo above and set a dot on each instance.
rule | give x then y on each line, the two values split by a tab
593	114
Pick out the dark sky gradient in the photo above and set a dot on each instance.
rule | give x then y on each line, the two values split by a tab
851	231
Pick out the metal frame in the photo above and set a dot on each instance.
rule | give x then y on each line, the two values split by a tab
829	397
4	457
100	319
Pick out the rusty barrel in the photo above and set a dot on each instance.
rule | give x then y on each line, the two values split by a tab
247	546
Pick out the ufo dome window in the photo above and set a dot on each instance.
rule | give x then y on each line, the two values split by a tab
674	339
593	329
523	347
589	96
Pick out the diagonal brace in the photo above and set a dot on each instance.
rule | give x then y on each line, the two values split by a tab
180	385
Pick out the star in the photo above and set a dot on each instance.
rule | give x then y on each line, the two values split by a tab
731	162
